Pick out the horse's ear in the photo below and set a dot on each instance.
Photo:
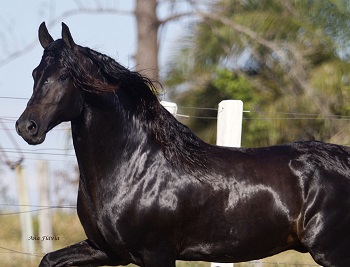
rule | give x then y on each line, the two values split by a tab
44	37
67	37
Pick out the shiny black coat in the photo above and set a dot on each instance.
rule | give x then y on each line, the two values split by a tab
151	192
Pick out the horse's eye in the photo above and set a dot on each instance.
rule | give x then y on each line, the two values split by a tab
63	78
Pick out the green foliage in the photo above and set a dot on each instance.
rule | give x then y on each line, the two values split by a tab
286	60
230	84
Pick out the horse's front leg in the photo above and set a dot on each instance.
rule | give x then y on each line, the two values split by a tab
79	254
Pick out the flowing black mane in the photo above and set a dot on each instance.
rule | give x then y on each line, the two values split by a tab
97	73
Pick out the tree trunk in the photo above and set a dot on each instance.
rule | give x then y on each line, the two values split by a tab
147	36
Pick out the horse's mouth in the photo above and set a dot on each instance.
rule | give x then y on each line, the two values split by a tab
35	140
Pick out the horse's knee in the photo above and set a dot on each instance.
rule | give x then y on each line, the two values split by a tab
49	260
45	262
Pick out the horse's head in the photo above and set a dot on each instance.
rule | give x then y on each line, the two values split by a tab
55	97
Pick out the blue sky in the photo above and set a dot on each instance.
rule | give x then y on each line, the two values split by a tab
114	35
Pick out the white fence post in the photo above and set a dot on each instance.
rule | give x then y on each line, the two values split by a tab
229	132
27	232
170	106
229	126
44	215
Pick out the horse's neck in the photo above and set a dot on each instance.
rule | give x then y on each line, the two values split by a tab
102	140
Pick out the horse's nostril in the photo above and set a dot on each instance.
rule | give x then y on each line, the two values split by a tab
32	127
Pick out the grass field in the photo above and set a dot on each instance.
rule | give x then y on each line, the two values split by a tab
67	228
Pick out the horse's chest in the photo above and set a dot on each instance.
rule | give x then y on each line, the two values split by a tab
118	217
101	225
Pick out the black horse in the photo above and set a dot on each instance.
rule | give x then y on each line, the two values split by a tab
151	192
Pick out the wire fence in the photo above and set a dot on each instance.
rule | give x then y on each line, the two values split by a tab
36	208
69	155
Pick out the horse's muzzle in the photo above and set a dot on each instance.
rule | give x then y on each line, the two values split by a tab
28	130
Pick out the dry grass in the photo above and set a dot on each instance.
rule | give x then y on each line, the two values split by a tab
67	227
